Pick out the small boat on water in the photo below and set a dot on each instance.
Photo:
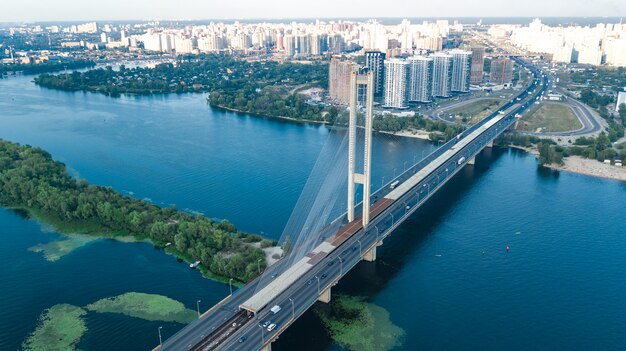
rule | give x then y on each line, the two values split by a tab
195	264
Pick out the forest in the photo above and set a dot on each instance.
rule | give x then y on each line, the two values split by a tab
31	180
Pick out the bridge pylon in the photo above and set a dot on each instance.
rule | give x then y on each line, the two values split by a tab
359	79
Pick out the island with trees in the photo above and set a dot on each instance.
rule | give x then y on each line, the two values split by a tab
30	180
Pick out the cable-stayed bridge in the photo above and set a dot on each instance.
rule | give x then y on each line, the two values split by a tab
256	314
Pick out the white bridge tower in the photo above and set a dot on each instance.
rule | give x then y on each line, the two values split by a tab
357	79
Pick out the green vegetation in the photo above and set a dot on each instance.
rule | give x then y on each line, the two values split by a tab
60	328
550	154
54	250
476	111
550	117
45	67
439	130
145	306
31	180
601	147
357	325
612	79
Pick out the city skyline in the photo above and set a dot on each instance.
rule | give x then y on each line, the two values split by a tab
72	10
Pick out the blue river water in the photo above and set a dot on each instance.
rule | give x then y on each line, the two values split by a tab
444	276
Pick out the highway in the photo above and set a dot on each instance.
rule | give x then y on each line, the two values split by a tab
215	330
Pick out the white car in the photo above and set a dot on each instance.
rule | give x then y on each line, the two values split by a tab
271	327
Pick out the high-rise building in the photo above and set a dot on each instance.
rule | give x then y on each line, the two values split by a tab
375	62
339	72
289	42
461	70
304	44
396	74
501	71
478	63
183	45
442	74
420	78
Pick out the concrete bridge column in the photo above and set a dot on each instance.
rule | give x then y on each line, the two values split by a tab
472	161
325	296
267	347
370	255
489	144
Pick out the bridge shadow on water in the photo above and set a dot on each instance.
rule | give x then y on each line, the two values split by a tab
368	279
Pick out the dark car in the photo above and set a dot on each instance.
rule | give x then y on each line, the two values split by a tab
324	275
331	263
242	339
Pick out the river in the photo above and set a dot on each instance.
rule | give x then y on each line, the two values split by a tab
444	276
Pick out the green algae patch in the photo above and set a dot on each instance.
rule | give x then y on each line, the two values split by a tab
357	325
60	328
55	250
145	306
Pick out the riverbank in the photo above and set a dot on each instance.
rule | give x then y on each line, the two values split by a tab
32	181
298	120
417	134
580	165
594	168
89	233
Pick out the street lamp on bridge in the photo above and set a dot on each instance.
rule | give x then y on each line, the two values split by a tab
160	339
198	306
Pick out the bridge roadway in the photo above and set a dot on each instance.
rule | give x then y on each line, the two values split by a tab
425	177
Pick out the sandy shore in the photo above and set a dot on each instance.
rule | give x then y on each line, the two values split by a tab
418	134
577	164
585	166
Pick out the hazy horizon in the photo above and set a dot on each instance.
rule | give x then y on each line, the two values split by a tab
142	10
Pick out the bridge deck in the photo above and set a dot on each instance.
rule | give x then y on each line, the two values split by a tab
445	157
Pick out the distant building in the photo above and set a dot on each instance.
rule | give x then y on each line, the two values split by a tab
289	42
461	70
478	63
501	71
621	99
420	78
375	62
339	79
396	74
442	75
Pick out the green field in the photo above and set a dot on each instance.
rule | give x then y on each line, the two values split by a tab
475	111
550	118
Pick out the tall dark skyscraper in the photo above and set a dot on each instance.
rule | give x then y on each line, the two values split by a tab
375	62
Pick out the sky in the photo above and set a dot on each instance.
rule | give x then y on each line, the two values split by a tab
79	10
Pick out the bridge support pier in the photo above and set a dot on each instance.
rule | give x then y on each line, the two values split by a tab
325	296
472	161
267	347
489	144
370	255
